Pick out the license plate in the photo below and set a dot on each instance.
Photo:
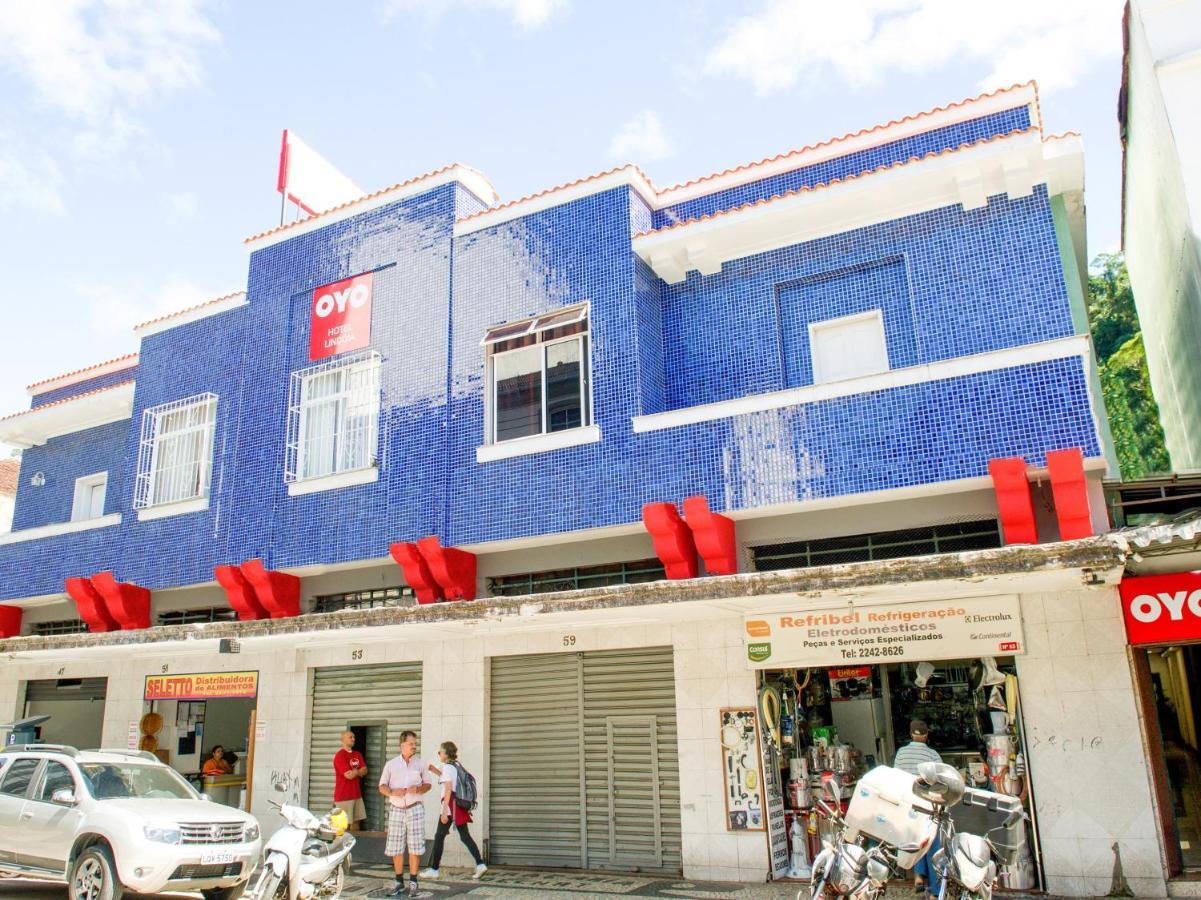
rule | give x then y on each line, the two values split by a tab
216	858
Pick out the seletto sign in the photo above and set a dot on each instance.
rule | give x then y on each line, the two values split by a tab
202	686
340	317
1162	609
879	633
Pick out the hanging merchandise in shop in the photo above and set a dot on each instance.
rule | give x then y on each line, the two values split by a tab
945	629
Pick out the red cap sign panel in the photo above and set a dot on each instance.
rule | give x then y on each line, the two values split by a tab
1162	609
340	318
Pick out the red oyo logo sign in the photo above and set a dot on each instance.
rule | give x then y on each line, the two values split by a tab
340	318
1162	609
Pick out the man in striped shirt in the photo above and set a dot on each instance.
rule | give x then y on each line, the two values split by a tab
909	757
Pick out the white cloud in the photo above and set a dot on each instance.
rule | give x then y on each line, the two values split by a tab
89	64
864	41
182	206
36	186
115	309
527	14
642	138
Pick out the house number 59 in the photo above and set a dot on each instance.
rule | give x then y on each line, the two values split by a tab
569	640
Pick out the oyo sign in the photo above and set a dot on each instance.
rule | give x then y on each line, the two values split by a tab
1162	609
340	317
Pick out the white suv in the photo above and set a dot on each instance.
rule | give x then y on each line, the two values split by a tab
109	822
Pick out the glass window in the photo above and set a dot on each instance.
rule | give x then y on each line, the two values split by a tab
175	455
17	778
57	778
848	347
539	375
333	419
111	780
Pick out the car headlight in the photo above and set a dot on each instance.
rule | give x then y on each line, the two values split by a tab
251	833
163	834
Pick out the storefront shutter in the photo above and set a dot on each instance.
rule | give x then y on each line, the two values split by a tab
632	760
66	689
389	695
584	769
534	791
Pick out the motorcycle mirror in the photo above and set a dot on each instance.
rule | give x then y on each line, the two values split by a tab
833	789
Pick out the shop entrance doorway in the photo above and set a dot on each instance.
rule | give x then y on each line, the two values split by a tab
1172	674
75	707
370	738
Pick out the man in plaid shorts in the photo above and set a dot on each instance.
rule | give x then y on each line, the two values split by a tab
404	779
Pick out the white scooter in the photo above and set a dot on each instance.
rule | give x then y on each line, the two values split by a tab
304	859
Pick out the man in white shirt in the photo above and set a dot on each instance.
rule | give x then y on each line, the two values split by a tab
403	781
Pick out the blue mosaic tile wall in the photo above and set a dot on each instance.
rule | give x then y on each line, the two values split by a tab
63	459
985	279
83	387
918	145
978	280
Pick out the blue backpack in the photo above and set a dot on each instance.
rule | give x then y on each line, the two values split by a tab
466	792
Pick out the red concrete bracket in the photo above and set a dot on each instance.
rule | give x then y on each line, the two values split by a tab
1013	500
672	539
417	572
239	592
1070	490
453	569
277	592
129	604
713	535
10	621
90	605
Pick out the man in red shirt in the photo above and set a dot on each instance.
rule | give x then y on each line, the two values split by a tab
349	769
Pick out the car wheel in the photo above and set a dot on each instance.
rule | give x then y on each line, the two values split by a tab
233	892
94	877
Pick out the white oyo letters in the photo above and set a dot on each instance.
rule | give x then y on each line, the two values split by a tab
356	296
1147	608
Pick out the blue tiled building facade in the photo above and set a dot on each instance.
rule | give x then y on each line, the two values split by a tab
967	285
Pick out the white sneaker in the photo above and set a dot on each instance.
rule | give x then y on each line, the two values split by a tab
429	873
479	871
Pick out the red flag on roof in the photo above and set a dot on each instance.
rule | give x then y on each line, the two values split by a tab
308	180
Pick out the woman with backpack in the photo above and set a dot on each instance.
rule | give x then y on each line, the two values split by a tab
451	813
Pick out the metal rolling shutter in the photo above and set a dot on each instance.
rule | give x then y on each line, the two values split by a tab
66	689
534	791
584	769
632	769
390	693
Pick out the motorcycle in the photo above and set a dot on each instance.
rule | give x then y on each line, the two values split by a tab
964	861
307	858
846	869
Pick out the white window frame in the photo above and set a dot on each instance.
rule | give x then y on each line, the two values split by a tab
85	487
511	330
299	407
146	486
816	328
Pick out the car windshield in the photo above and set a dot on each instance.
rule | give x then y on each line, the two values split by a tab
112	780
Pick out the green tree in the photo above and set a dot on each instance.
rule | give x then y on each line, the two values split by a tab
1125	381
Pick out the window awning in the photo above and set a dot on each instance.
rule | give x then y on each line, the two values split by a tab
36	426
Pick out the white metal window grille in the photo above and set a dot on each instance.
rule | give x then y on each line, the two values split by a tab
538	375
175	453
333	417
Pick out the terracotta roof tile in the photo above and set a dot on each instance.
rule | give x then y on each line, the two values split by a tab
560	187
825	184
71	399
9	470
187	309
357	200
132	357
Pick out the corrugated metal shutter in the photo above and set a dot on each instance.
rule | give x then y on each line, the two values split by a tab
584	764
66	689
534	790
345	695
633	769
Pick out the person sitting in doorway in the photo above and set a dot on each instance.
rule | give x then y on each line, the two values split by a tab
216	763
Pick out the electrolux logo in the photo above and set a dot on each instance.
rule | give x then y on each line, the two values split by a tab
340	318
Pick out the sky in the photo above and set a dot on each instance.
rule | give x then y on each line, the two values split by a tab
139	141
